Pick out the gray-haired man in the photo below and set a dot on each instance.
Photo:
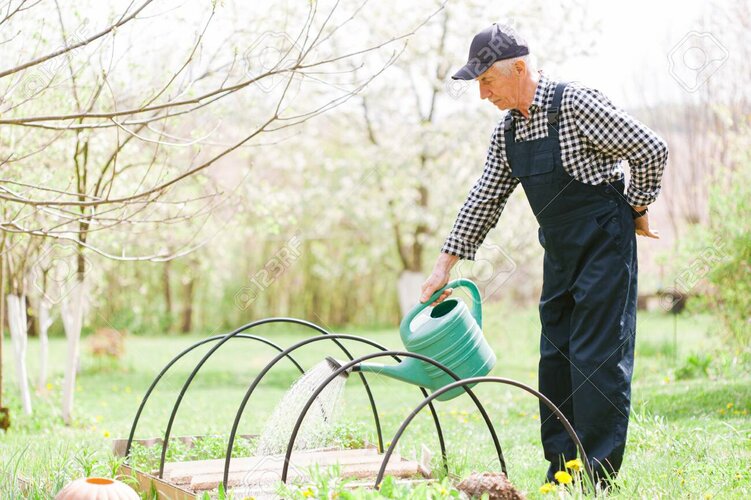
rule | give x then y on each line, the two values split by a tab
564	143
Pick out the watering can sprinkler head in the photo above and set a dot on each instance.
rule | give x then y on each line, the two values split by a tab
336	365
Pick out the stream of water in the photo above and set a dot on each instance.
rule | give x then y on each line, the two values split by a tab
318	425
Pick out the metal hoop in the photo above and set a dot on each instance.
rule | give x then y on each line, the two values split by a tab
429	400
479	380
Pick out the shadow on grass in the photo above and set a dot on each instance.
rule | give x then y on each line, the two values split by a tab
698	398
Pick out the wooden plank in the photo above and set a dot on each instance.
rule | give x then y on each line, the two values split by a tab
397	467
273	469
147	483
268	492
181	472
119	444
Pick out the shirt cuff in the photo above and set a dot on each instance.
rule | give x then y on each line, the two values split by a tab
636	197
459	248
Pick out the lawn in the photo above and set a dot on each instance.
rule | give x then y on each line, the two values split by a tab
690	433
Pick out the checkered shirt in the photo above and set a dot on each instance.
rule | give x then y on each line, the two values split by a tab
595	137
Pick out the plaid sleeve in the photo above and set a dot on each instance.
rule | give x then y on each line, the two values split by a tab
484	203
615	133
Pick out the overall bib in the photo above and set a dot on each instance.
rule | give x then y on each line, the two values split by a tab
588	300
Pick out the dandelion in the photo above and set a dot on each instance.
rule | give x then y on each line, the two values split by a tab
708	496
729	405
308	493
575	465
547	488
49	386
563	477
444	491
106	434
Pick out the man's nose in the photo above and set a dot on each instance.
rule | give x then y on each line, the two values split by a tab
484	92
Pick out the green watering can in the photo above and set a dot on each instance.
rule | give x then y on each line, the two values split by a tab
451	335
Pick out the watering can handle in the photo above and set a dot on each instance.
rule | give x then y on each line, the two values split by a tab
476	303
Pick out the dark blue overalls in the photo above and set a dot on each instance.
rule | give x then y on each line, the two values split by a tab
588	301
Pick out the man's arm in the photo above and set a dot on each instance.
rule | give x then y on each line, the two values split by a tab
477	216
617	134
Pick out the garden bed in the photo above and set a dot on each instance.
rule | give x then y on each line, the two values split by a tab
259	476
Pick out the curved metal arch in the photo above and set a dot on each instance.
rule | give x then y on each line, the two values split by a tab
225	338
480	380
344	368
176	359
302	343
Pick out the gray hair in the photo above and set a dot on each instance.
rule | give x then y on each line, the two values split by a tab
505	65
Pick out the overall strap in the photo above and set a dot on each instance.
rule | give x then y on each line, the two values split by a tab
554	111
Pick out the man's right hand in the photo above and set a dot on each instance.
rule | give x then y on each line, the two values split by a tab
438	279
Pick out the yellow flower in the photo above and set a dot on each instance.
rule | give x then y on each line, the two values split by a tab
708	496
729	405
575	464
547	488
106	434
308	493
49	386
563	477
444	491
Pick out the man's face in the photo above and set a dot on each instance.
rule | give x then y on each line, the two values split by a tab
499	88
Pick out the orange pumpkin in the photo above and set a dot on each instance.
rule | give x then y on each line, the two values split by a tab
98	488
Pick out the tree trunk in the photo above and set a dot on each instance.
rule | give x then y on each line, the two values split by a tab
187	315
72	313
19	339
44	321
409	287
2	321
167	292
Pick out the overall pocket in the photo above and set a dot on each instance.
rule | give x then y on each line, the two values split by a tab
538	169
612	227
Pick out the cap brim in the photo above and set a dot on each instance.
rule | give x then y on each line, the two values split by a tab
470	71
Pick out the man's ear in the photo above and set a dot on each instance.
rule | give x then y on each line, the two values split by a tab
520	67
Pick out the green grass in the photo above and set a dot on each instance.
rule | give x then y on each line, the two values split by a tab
688	437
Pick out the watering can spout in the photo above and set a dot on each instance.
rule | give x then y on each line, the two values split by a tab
335	365
409	370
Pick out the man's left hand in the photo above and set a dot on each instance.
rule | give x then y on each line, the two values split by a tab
641	224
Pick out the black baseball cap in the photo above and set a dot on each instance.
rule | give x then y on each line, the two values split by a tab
494	43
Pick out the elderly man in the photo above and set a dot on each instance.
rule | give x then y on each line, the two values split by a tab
564	143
